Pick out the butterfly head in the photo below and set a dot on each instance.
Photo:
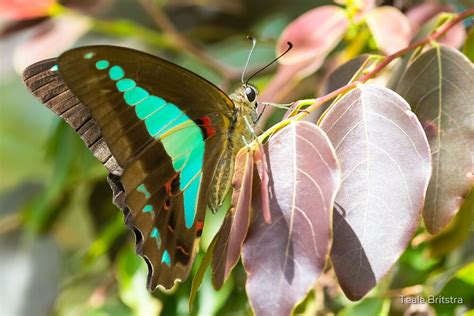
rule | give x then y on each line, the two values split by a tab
245	97
245	100
250	93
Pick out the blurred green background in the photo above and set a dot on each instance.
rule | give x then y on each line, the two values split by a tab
63	247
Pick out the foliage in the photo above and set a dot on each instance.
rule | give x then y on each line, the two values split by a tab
326	202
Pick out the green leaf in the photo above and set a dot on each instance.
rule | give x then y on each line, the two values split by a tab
468	48
199	276
460	287
414	267
456	232
368	306
210	300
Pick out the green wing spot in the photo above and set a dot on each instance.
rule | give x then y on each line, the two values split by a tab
54	68
102	64
116	73
135	95
149	106
125	84
166	258
88	55
141	188
156	234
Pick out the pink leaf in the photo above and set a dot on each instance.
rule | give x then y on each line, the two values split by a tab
386	166
49	40
423	12
390	28
313	35
454	37
420	14
24	9
439	85
284	259
260	163
234	229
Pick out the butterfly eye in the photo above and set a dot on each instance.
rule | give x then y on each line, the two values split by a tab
250	93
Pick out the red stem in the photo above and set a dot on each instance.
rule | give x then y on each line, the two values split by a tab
442	30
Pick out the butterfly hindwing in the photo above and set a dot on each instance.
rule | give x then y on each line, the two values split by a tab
161	128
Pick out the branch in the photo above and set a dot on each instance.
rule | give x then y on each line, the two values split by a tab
315	103
164	23
387	60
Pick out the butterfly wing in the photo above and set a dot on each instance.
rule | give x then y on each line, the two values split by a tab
158	128
51	90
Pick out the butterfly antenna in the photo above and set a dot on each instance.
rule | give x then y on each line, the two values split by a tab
254	42
290	46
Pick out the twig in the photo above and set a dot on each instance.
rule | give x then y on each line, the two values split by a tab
164	23
385	61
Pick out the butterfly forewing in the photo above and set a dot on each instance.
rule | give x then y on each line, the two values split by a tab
157	127
43	80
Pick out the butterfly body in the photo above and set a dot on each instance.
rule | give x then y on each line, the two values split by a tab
238	131
167	136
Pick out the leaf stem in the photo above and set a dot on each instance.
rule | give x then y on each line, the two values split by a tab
369	75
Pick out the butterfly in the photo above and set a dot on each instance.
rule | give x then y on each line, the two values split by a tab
167	136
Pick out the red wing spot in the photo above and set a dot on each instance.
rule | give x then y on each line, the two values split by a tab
168	188
206	124
199	226
172	185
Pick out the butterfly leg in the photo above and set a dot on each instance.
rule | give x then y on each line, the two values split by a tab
251	131
276	105
285	106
